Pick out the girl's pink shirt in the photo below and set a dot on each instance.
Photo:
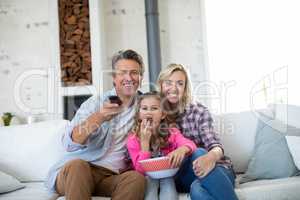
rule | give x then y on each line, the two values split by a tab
175	140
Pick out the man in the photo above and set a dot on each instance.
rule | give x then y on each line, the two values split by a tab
95	140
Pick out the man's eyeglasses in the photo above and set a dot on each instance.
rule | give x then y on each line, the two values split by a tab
134	73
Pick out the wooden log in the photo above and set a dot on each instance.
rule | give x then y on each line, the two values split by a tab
71	20
75	42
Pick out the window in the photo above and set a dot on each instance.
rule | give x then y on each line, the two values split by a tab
253	50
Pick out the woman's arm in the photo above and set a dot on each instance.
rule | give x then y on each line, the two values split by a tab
204	164
216	153
206	130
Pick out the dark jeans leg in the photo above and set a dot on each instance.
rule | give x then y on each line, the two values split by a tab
217	185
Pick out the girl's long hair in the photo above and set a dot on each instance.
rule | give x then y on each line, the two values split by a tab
161	139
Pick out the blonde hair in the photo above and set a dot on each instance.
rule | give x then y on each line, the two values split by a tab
166	73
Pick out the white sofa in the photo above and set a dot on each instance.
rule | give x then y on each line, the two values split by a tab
28	151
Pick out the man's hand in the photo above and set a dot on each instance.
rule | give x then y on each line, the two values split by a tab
108	111
82	132
176	157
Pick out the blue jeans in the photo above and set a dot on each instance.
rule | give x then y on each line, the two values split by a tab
217	185
161	189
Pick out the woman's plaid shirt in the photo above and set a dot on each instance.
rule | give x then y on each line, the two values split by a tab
196	123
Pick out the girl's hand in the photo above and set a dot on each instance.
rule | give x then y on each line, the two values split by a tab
176	157
145	135
203	165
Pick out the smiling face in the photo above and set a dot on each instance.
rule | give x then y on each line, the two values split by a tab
173	87
150	108
127	77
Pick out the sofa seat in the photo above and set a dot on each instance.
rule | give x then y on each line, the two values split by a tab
181	197
32	191
275	189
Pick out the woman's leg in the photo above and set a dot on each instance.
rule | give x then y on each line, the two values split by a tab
168	189
198	192
185	176
217	185
151	189
205	188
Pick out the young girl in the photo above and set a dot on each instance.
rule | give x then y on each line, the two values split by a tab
149	139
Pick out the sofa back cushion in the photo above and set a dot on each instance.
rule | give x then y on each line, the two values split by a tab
28	151
237	133
288	114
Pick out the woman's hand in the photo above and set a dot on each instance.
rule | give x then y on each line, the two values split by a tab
176	157
204	164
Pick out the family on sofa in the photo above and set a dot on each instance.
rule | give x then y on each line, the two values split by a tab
163	123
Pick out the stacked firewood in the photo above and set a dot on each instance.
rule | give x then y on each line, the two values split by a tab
75	45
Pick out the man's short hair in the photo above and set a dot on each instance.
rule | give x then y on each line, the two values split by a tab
130	55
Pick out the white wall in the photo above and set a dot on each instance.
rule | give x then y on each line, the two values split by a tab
29	40
182	31
123	28
26	44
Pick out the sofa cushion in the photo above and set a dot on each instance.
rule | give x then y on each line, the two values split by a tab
32	191
9	183
294	147
28	151
271	158
276	189
237	134
289	114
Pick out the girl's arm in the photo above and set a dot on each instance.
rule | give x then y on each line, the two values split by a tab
182	141
136	153
183	147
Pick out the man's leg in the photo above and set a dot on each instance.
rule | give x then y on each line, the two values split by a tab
75	180
126	186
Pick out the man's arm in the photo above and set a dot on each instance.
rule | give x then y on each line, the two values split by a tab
81	132
85	122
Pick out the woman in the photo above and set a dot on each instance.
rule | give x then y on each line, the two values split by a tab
207	174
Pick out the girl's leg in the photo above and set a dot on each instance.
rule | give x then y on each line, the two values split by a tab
151	189
168	189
